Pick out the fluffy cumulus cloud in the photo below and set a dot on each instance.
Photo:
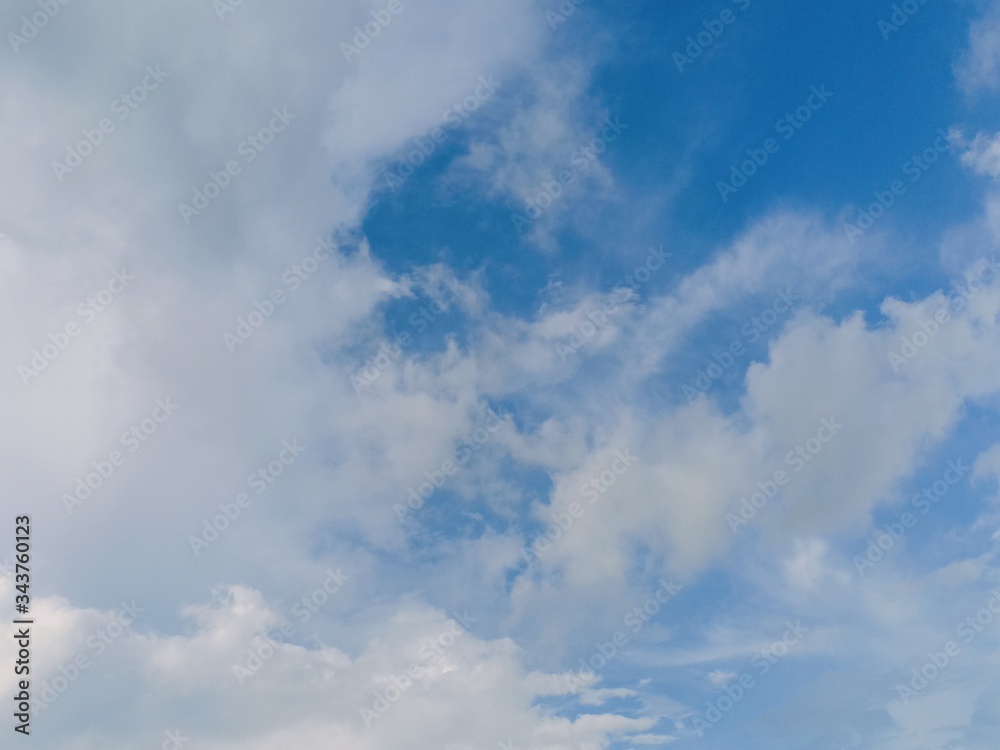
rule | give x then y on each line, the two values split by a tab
389	374
983	155
236	677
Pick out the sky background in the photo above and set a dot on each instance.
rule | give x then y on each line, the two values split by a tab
432	372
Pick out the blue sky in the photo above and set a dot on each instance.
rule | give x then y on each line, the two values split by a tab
506	416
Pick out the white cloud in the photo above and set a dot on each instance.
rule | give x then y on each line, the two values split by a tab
236	679
979	67
162	337
983	155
